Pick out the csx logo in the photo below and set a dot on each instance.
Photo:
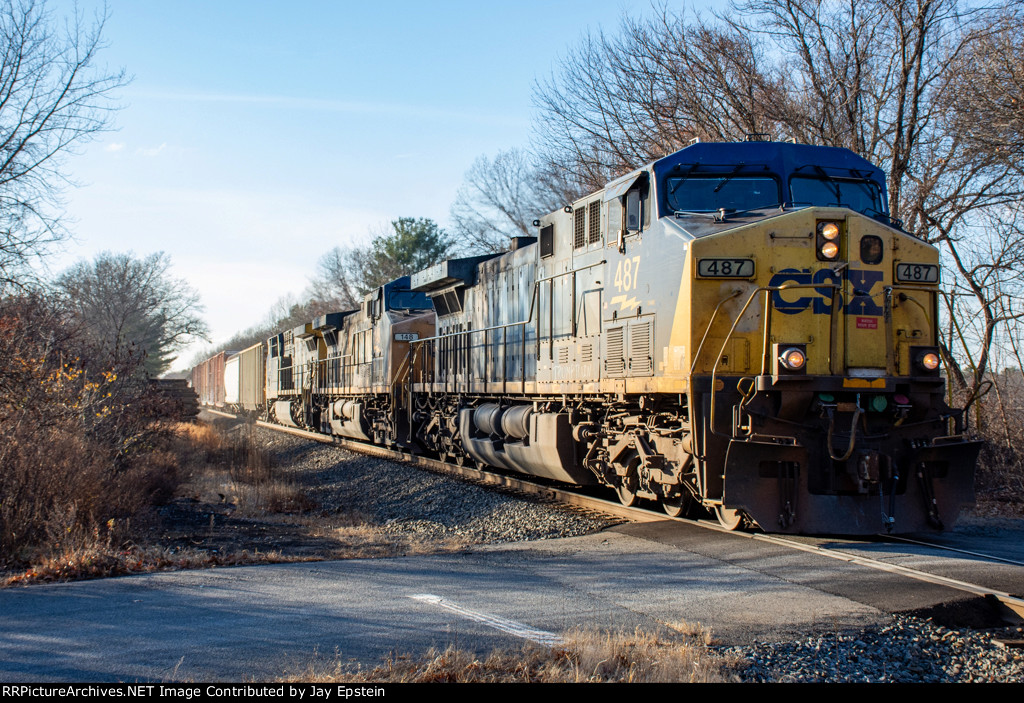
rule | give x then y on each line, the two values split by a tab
865	284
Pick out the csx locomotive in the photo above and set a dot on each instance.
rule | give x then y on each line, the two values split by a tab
737	328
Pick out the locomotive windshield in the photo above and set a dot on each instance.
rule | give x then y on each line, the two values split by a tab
400	299
713	193
858	194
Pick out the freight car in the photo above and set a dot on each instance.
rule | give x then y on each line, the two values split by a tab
739	328
207	380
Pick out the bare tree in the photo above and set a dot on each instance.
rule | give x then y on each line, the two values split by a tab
333	281
500	198
408	245
621	100
53	99
930	90
126	304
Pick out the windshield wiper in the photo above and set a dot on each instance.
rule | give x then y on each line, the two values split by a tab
781	206
682	178
688	213
728	178
721	214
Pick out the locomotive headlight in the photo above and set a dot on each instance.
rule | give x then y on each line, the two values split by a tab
929	361
790	360
830	250
827	240
926	360
793	359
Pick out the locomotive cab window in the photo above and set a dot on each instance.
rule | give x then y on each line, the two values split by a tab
636	210
689	193
858	194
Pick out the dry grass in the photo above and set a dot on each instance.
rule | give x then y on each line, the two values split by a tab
224	475
99	561
236	469
74	546
586	656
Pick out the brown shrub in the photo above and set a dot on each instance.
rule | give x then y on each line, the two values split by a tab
82	446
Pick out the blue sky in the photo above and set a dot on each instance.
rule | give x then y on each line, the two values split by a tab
255	136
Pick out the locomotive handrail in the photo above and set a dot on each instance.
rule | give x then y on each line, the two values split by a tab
521	323
485	330
767	334
602	262
465	332
887	316
977	393
707	330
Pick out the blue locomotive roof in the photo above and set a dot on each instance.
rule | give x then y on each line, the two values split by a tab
781	158
746	178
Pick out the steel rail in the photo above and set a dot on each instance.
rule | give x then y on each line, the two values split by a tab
1013	606
933	545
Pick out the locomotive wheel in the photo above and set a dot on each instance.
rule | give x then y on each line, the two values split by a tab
627	490
729	519
678	506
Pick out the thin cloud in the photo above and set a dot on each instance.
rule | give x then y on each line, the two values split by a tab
328	105
114	146
153	151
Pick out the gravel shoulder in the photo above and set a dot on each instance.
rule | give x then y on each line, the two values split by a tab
361	506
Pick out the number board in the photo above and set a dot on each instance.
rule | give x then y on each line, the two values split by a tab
406	336
725	268
917	273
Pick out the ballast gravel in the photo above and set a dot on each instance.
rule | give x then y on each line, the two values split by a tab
907	650
407	501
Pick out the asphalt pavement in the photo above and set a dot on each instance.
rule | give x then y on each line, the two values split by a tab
260	622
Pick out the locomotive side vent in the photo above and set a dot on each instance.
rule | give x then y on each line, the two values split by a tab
641	362
579	228
614	360
594	215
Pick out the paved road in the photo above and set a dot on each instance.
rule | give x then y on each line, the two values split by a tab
259	622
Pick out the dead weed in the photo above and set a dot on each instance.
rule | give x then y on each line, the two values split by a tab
586	656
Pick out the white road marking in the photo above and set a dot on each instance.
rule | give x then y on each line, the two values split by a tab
511	627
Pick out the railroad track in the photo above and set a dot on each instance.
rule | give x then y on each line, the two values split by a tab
1010	605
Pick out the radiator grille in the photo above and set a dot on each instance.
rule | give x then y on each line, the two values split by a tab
595	221
580	228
